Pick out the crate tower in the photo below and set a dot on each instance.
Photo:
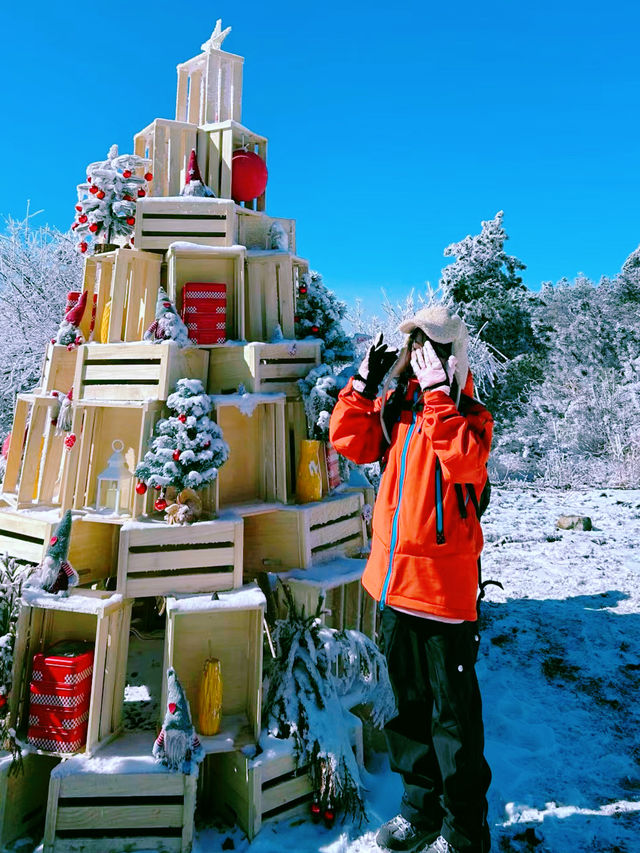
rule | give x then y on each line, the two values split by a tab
120	387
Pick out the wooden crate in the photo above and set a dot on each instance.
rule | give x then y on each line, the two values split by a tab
136	371
138	805
346	603
93	547
160	559
304	535
58	369
253	229
99	618
251	791
168	145
230	629
256	468
124	283
262	367
271	280
202	221
212	264
98	424
23	796
216	143
210	87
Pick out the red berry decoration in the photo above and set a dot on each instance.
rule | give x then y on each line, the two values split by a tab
93	227
74	226
329	818
160	505
82	219
315	329
141	488
131	220
126	173
302	289
142	193
182	419
176	455
3	701
100	195
157	488
248	175
83	247
207	445
148	176
93	190
127	198
78	207
88	179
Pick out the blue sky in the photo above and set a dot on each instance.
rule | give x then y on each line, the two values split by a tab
394	129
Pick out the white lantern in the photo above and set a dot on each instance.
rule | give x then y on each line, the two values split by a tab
114	482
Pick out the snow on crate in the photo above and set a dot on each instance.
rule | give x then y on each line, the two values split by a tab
247	403
75	603
245	598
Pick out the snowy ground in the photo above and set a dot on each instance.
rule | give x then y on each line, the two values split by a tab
559	668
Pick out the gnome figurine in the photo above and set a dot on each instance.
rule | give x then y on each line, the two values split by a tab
69	332
177	746
167	326
55	574
194	185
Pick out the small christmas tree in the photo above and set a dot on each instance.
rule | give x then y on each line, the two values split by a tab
188	447
177	746
12	576
167	325
55	574
107	200
318	315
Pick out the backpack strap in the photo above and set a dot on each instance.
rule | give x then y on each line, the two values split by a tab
462	506
473	497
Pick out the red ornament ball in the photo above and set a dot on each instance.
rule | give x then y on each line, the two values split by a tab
248	175
207	445
176	455
131	220
100	195
160	504
148	176
126	173
142	193
3	701
315	329
131	238
302	289
78	207
82	219
296	319
93	227
182	419
157	488
316	814
141	488
127	197
93	190
74	226
88	179
83	247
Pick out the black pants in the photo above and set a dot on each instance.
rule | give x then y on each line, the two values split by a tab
437	740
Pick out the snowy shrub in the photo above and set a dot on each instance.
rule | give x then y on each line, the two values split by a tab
12	576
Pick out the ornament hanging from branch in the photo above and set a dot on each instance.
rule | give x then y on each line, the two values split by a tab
248	175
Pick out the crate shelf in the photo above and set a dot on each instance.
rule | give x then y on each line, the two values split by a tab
256	468
119	800
216	143
160	559
304	535
270	287
99	618
123	287
26	535
253	229
135	371
58	370
210	87
262	367
230	629
23	796
202	221
168	145
224	264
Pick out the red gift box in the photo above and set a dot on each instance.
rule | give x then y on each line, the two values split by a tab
66	663
51	696
204	311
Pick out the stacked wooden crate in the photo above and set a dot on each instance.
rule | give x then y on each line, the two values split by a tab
113	795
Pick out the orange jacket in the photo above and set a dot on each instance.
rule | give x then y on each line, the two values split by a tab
424	554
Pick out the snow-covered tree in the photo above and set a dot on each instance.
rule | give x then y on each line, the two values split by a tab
188	447
106	205
12	577
319	314
38	267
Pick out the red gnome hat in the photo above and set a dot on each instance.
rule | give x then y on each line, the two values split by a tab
74	316
194	184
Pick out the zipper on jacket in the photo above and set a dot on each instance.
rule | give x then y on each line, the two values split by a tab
394	525
439	514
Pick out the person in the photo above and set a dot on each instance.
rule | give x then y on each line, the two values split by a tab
433	439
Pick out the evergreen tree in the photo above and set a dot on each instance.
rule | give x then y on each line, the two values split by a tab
188	447
318	315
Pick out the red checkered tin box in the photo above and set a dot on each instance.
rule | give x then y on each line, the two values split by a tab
50	696
58	719
204	311
66	663
50	740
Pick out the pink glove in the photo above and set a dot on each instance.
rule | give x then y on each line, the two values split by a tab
429	370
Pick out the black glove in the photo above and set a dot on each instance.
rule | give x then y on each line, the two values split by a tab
375	366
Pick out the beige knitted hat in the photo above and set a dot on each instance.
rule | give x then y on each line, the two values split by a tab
439	324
